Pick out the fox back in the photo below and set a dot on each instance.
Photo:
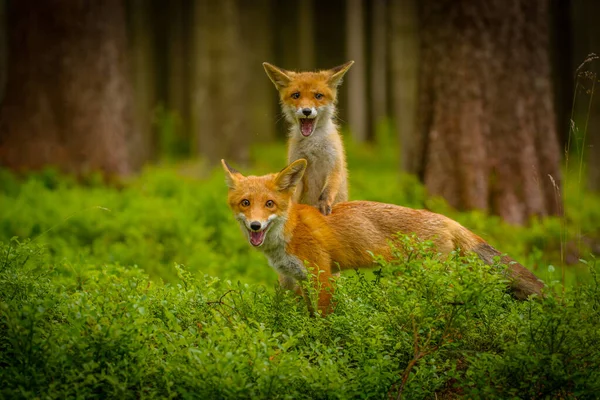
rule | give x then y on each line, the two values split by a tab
308	101
296	236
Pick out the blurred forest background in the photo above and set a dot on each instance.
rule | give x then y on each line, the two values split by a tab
488	100
123	273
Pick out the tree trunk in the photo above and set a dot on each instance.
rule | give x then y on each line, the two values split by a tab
68	99
306	35
378	63
592	143
357	92
404	65
486	107
258	34
586	118
219	84
144	80
3	44
178	73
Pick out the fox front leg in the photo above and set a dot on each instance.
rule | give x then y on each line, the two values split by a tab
329	193
324	204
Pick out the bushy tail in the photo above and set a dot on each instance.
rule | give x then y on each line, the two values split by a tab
522	281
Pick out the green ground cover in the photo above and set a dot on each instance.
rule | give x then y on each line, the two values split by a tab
148	289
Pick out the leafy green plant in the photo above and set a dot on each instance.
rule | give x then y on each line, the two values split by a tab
149	290
422	326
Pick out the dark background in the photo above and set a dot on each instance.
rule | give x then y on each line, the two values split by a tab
485	99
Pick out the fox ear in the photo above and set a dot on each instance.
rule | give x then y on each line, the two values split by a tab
337	73
278	76
290	176
230	175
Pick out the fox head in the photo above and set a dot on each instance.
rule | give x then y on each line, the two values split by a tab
307	98
261	203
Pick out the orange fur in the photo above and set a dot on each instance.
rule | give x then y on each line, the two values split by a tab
325	182
345	238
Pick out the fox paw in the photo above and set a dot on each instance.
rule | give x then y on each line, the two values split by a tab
324	207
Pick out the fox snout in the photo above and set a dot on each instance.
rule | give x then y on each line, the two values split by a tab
307	120
256	229
306	112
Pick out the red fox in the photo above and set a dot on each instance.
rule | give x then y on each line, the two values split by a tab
308	102
296	236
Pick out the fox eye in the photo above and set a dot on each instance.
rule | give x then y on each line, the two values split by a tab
245	203
296	95
270	204
318	96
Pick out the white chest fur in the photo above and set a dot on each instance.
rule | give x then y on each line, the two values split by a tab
283	263
286	264
321	154
317	147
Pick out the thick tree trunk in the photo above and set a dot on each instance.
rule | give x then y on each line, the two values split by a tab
3	44
144	80
404	65
68	100
378	63
218	82
258	34
592	144
487	109
179	71
586	118
306	35
286	53
357	90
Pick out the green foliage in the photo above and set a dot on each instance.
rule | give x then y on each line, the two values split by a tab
155	221
162	218
424	327
149	290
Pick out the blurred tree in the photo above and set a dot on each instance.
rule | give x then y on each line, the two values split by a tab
378	96
357	91
306	35
561	46
219	96
2	48
258	47
486	107
593	130
586	110
404	63
286	53
68	98
142	56
287	38
178	70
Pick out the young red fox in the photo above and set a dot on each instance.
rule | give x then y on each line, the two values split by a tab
296	236
308	102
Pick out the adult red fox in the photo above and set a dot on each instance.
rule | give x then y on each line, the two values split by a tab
296	236
308	101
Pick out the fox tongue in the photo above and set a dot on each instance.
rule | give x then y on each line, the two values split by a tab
306	126
256	238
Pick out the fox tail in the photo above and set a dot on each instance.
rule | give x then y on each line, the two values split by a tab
522	281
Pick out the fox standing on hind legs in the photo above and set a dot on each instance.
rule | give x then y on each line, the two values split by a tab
308	102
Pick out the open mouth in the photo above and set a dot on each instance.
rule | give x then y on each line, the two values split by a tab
307	126
258	237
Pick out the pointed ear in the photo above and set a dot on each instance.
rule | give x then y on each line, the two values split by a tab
231	175
290	176
337	73
278	76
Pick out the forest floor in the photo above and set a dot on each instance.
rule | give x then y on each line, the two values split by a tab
148	289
